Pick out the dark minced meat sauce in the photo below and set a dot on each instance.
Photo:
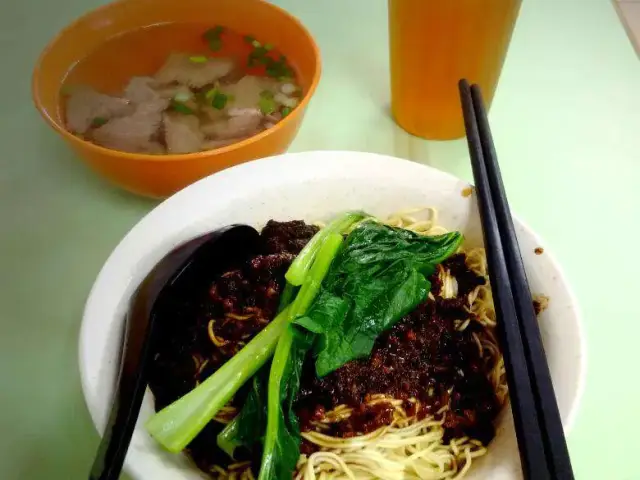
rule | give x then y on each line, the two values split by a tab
423	356
241	301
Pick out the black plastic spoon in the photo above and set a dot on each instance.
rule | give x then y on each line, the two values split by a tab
210	254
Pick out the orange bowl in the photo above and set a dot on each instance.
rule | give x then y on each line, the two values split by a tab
162	175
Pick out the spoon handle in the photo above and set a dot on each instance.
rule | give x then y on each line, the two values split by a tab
136	345
175	272
129	393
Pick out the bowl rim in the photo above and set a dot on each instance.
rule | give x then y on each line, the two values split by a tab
36	80
155	215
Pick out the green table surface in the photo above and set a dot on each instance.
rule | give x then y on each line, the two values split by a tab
566	121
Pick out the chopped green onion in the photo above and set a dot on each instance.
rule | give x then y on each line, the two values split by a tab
249	39
211	93
183	97
256	43
219	101
213	33
215	45
198	59
278	72
98	122
285	111
258	55
259	52
212	36
278	69
268	47
181	108
267	105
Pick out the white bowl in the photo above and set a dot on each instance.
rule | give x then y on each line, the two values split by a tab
311	186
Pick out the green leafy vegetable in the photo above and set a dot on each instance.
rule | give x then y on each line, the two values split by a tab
248	427
98	122
300	266
219	101
377	278
177	424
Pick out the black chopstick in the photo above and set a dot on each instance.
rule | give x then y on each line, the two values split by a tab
530	440
543	449
539	369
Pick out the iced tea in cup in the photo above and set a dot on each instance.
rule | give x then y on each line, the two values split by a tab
435	43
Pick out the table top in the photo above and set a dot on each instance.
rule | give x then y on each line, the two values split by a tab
565	118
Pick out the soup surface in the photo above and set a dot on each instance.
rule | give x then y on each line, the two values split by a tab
178	88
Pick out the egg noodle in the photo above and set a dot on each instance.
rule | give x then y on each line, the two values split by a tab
410	448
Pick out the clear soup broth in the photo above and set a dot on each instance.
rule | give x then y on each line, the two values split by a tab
178	88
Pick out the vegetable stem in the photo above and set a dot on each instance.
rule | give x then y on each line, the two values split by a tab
272	456
274	403
301	265
177	424
287	296
312	282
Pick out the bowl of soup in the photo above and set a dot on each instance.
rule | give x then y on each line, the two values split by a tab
156	95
